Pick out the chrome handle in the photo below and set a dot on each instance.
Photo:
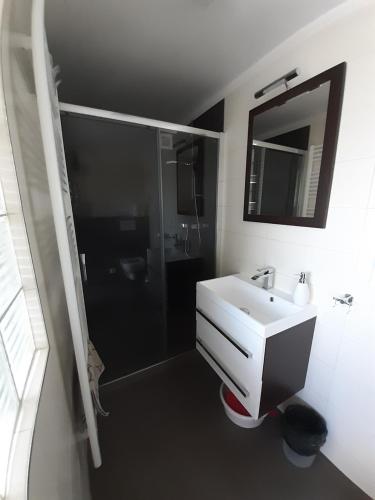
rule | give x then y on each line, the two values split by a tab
267	270
82	258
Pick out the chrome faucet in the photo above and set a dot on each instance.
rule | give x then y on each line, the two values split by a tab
268	275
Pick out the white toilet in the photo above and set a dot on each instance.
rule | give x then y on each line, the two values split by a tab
132	267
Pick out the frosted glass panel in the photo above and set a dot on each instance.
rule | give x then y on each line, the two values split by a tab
10	281
8	414
18	340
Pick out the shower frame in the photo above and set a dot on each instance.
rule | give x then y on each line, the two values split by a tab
75	109
158	126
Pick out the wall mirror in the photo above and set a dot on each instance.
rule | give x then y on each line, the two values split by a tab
291	152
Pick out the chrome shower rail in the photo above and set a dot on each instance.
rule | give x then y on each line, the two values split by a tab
138	120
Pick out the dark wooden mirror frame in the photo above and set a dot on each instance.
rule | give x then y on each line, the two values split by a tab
336	77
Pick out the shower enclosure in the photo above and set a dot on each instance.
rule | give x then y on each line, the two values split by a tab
144	205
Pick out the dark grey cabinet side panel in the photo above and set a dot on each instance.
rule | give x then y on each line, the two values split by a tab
285	364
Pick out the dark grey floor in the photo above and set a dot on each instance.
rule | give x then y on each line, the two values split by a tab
167	438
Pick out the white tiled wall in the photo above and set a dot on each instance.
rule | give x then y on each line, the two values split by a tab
341	258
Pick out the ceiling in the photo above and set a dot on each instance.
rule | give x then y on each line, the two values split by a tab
164	58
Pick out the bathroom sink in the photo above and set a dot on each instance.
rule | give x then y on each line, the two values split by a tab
266	312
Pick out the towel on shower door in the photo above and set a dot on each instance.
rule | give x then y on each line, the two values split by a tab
95	368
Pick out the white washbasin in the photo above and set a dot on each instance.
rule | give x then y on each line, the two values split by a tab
266	312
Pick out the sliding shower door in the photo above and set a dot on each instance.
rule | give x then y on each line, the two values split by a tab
144	205
114	181
189	185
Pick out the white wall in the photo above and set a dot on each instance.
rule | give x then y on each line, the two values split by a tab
58	468
341	258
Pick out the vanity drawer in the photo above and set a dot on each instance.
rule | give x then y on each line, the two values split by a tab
239	360
234	328
250	398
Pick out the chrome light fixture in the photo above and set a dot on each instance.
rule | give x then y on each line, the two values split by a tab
283	80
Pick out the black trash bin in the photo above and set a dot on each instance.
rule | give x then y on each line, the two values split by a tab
304	432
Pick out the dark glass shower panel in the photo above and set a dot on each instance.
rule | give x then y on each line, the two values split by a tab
114	181
189	184
280	182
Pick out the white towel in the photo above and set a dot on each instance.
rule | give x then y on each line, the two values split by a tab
95	368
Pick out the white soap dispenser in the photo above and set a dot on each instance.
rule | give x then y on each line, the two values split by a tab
301	294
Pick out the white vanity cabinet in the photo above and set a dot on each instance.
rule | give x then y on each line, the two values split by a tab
260	367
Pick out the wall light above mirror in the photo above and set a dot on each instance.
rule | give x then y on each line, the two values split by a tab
291	152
